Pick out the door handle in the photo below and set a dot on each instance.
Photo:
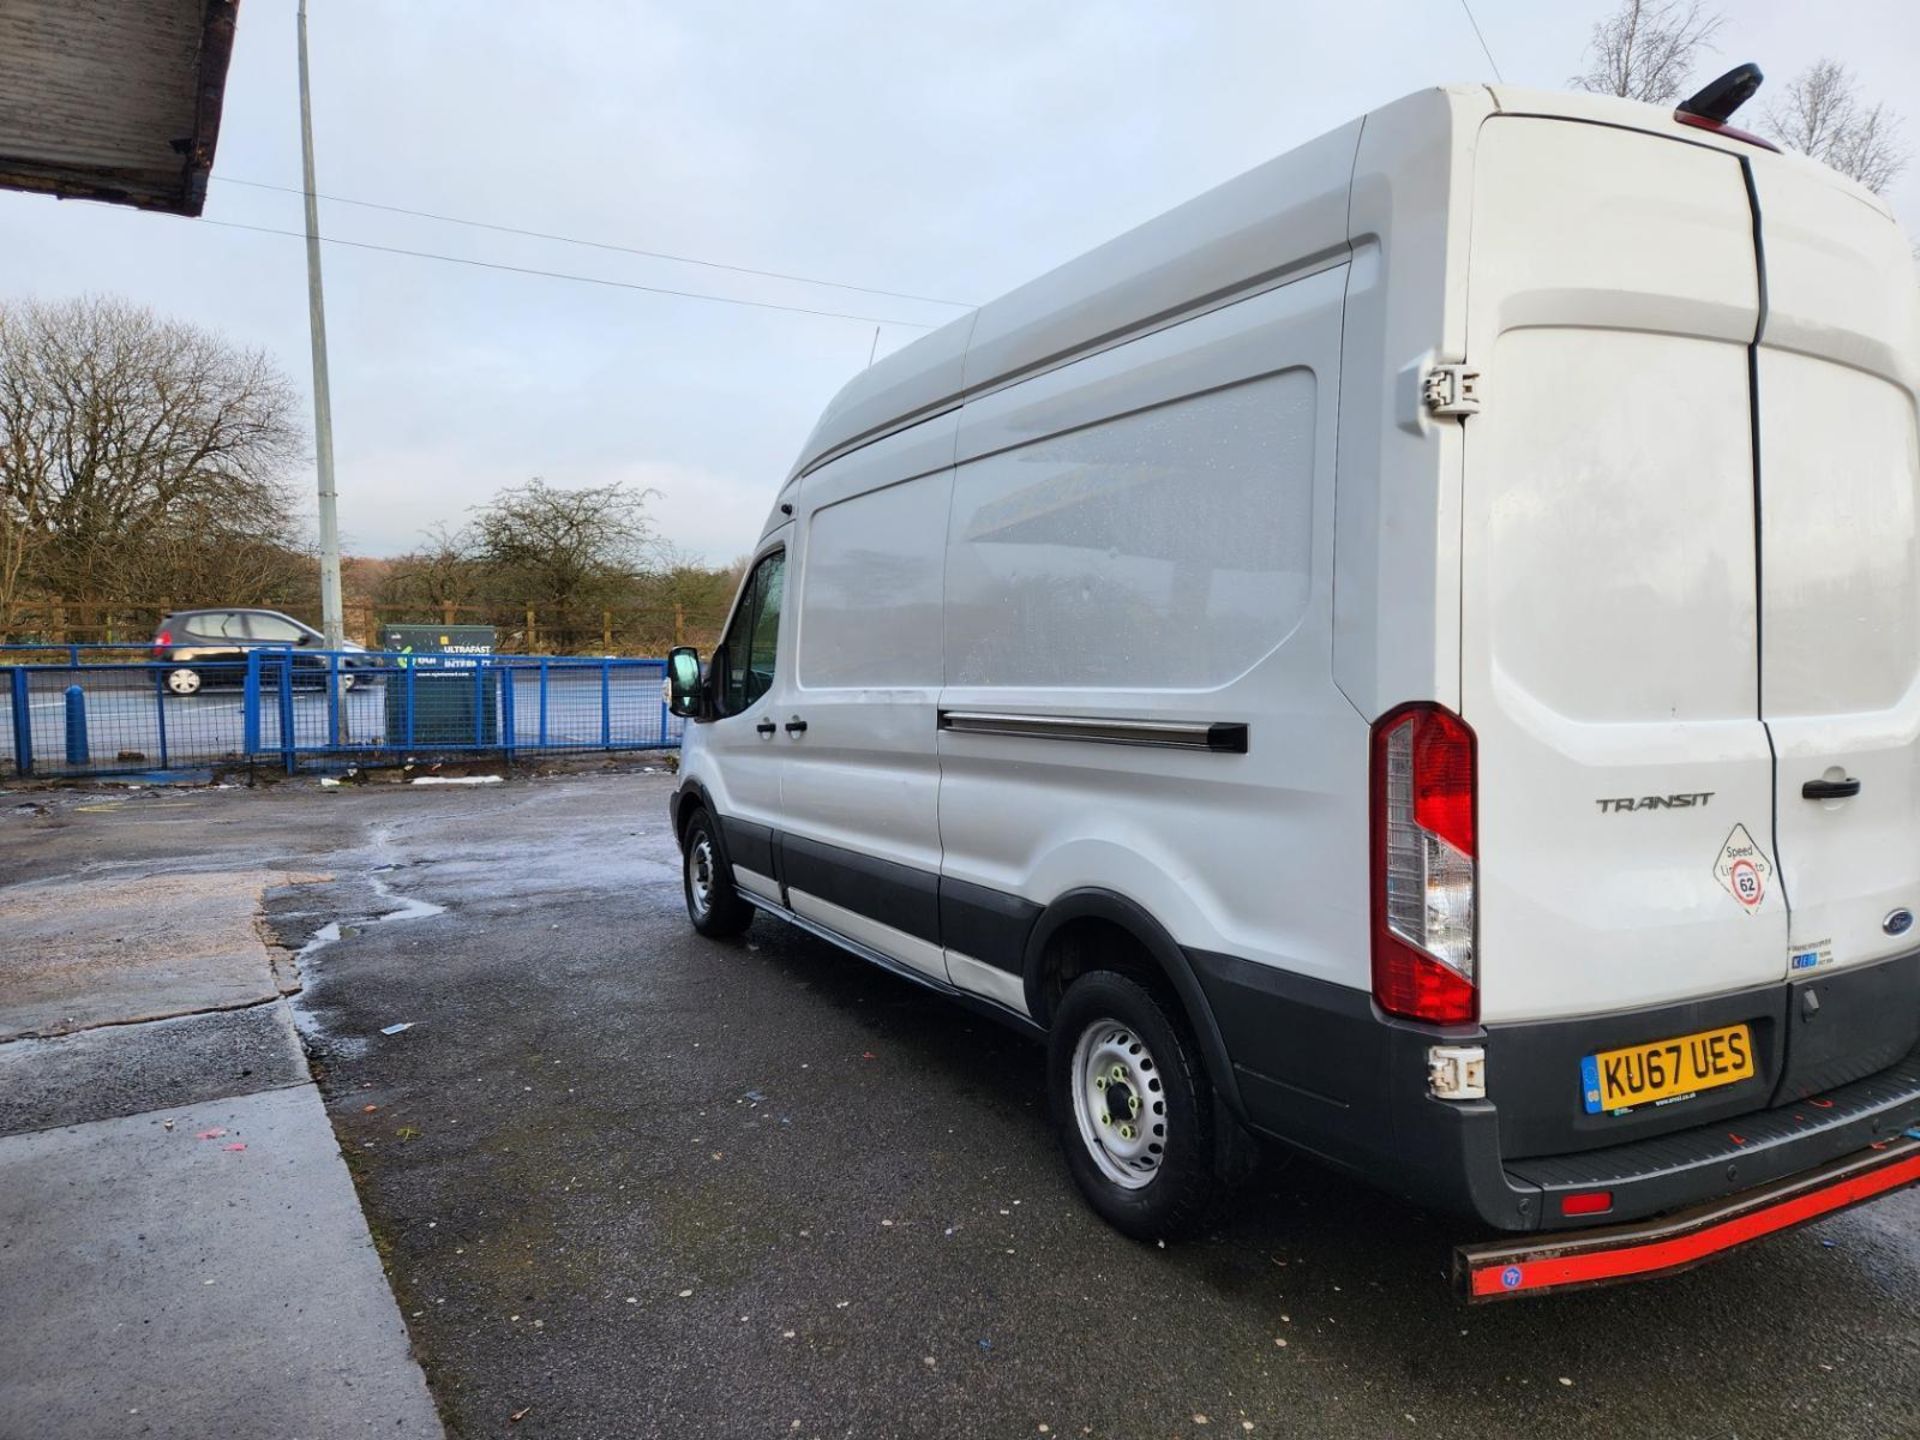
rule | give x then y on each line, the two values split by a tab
765	727
1830	789
796	726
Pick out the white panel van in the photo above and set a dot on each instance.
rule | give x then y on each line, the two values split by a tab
1413	655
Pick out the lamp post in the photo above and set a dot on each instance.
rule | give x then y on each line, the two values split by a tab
331	620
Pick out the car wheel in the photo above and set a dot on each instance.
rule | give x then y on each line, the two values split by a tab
713	904
1134	1108
183	681
347	681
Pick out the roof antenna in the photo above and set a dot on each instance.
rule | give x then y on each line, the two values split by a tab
1718	100
873	349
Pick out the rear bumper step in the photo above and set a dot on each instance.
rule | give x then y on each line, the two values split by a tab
1503	1269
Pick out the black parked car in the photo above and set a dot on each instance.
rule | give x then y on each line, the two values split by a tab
209	647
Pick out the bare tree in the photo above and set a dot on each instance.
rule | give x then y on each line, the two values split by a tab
144	457
1822	114
568	553
442	570
1646	49
18	543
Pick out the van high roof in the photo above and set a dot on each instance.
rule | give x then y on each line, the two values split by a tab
1285	218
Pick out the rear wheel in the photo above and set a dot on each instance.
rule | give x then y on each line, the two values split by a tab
713	904
183	680
1133	1107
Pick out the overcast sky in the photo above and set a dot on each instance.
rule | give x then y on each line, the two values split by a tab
942	150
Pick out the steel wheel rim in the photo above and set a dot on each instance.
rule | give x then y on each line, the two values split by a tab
700	876
183	681
1119	1103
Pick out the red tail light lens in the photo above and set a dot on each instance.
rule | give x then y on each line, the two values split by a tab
1424	887
162	640
1587	1202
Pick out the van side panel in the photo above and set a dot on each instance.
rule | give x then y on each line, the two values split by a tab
1609	636
1397	564
1146	535
1286	215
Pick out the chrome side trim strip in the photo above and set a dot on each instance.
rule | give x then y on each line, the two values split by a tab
886	962
1221	737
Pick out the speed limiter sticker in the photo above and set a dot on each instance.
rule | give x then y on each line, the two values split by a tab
1743	869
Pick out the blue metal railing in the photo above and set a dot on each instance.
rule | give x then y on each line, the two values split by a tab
71	716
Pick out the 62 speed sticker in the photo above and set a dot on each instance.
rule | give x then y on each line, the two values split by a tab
1743	868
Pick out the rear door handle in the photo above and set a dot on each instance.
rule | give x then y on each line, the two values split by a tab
796	726
765	727
1830	789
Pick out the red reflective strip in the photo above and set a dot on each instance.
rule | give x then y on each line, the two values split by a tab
1650	1256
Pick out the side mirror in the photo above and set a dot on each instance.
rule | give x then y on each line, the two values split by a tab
683	682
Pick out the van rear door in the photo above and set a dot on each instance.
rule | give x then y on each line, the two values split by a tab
1840	570
1609	641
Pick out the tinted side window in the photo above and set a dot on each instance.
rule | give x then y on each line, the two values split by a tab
275	629
750	643
218	625
766	627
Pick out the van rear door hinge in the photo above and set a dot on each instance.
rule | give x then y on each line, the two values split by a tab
1452	390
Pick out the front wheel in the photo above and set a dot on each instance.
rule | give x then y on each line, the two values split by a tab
1134	1108
713	904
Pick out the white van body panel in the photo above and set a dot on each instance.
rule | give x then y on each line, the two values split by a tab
1067	503
740	766
1397	543
1608	608
1838	369
1285	217
865	669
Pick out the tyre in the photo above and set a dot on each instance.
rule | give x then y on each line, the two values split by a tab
183	680
1134	1108
713	904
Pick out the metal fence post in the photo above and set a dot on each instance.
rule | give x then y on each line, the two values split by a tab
506	711
333	700
542	742
160	712
606	704
77	753
479	703
250	706
286	708
22	724
412	690
663	704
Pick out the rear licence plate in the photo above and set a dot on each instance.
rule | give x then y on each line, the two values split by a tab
1665	1069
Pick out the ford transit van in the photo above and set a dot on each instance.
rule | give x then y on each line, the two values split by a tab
1413	655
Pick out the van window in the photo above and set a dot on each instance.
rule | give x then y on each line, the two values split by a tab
870	591
1166	549
753	638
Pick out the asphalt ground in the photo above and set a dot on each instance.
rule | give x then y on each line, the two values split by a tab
632	1183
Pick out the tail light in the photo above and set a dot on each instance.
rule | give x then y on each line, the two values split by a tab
1423	865
162	640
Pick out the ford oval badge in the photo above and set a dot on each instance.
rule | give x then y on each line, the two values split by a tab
1898	922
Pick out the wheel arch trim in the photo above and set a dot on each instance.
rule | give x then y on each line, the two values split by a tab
1094	903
